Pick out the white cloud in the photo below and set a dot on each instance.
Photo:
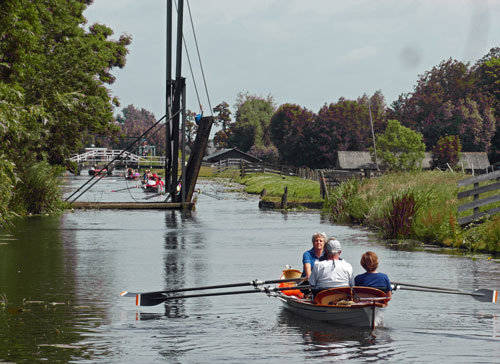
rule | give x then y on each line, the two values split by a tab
304	52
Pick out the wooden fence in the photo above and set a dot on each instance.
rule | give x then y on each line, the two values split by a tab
328	178
246	167
475	192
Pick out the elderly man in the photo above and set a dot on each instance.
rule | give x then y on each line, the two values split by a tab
333	272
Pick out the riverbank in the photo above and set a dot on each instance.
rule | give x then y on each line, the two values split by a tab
413	206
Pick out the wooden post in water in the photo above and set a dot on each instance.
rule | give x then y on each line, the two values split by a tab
322	186
284	199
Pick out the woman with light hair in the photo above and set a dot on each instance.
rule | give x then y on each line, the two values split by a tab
313	255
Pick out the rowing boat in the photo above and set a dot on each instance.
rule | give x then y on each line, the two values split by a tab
349	306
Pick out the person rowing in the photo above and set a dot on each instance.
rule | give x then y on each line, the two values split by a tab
371	278
313	255
332	272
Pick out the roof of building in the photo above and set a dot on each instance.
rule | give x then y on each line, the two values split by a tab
468	160
355	160
221	152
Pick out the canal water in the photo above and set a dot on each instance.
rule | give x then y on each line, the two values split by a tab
60	279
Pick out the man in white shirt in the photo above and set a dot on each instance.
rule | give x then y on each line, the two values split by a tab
333	272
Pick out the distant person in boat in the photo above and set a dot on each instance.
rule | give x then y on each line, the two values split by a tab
369	261
146	175
313	255
333	272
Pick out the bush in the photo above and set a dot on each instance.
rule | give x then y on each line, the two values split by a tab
345	203
7	182
37	190
398	217
446	152
268	154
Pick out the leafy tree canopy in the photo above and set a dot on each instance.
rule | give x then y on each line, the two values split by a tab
61	69
400	148
292	132
253	114
223	115
450	100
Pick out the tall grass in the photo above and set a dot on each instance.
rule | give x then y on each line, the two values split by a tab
412	205
38	189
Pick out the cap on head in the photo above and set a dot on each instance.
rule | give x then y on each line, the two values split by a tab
333	246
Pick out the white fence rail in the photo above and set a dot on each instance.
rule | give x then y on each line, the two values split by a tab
101	156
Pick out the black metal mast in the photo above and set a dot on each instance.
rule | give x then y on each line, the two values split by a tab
168	104
175	93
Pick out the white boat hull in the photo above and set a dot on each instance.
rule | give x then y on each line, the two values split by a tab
362	316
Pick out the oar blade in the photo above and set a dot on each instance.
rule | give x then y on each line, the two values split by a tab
488	295
128	294
149	299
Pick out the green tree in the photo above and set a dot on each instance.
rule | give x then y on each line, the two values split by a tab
223	116
400	148
53	95
253	115
48	56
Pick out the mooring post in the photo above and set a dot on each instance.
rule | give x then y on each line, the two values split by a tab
284	199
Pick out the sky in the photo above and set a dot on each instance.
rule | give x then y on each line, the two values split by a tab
305	52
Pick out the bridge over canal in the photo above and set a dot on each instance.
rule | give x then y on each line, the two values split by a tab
102	156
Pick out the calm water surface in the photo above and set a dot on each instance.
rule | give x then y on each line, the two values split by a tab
61	278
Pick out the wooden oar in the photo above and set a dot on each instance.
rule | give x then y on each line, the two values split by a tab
123	189
142	299
483	295
429	287
254	283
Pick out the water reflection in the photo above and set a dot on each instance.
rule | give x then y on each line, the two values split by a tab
325	340
38	283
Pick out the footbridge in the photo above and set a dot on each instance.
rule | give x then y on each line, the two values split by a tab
102	156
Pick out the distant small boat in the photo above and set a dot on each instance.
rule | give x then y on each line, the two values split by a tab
94	172
133	176
154	185
348	306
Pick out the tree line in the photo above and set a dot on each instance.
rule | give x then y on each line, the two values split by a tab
453	108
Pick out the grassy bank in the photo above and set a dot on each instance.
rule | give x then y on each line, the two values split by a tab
299	190
418	205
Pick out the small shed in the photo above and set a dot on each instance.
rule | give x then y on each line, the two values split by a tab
232	153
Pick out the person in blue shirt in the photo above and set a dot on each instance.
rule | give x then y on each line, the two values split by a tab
313	255
372	278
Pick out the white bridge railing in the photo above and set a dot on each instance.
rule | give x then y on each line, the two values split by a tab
107	155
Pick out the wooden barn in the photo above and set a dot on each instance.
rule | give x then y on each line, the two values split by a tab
232	153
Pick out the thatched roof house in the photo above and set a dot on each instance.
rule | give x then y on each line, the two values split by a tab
468	161
355	160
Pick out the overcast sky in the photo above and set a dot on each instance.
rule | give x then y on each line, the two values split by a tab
307	52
